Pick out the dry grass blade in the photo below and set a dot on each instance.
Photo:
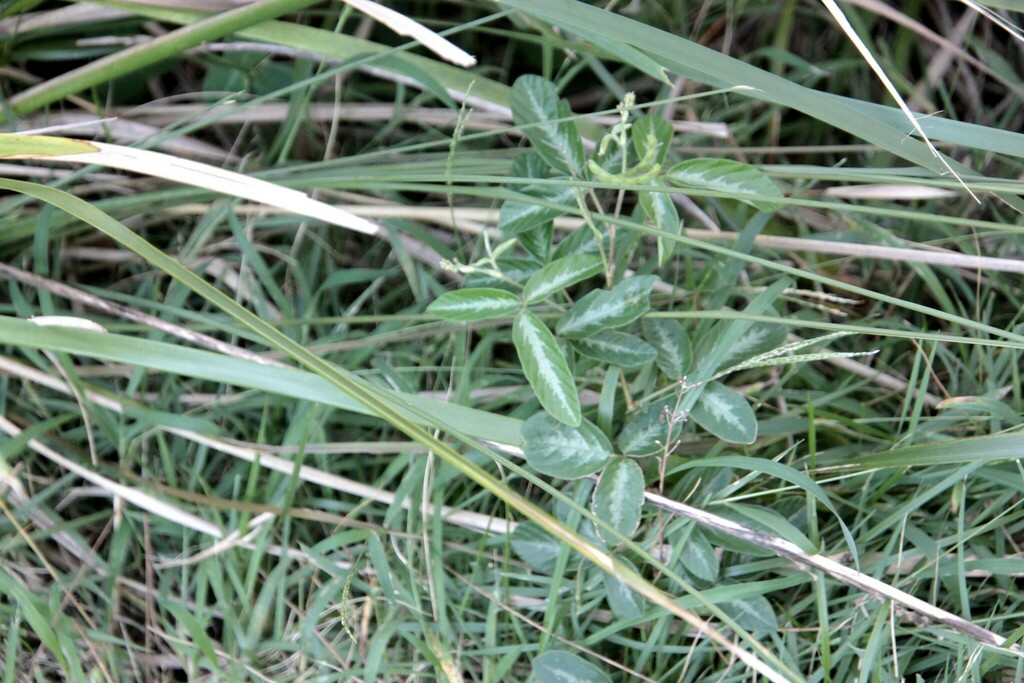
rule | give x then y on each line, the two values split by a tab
404	26
214	179
844	23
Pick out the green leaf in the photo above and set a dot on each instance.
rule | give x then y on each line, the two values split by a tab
560	274
616	348
725	175
546	369
535	547
517	216
647	126
757	339
529	164
726	414
754	614
603	309
698	557
647	430
555	666
475	304
625	602
559	450
672	345
536	110
658	207
619	497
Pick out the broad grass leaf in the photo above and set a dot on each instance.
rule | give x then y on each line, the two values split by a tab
669	339
602	309
475	304
537	109
560	274
563	451
753	614
535	547
619	497
625	602
698	557
725	175
518	216
660	210
726	414
546	368
555	666
616	348
647	430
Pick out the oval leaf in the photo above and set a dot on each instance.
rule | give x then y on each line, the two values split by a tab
521	215
647	430
625	602
560	274
559	450
754	614
475	304
619	497
616	348
555	666
602	309
645	128
672	345
546	369
660	210
725	175
726	414
535	547
698	557
759	338
536	109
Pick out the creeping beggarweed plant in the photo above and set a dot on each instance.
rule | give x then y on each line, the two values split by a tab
580	316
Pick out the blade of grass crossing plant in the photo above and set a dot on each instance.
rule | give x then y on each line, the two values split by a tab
725	175
619	496
661	210
517	216
535	547
698	557
563	451
559	274
602	309
546	368
555	666
537	110
475	304
709	66
755	614
624	601
381	403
